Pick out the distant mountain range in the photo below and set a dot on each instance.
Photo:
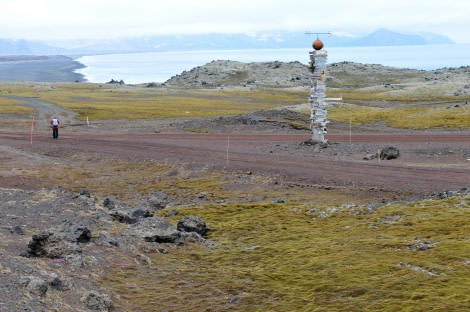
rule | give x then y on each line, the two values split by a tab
381	37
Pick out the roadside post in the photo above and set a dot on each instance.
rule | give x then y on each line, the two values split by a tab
31	134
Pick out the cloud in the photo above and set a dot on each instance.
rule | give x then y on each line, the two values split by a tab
107	19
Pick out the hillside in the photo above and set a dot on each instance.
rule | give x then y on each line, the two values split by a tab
225	73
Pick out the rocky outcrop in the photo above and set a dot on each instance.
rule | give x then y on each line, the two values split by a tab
73	247
64	243
233	73
49	244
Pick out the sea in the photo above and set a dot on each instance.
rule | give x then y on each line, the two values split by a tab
158	67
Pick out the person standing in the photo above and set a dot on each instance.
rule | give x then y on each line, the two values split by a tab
55	127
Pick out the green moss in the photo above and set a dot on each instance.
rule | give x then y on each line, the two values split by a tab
283	258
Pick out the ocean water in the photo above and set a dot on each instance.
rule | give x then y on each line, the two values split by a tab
134	68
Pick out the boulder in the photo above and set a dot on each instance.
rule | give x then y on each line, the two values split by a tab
370	156
141	213
96	301
108	203
56	282
107	240
157	230
78	233
17	230
192	224
75	259
85	193
36	285
389	153
136	215
158	201
122	217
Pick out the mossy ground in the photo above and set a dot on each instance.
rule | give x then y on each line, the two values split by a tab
281	257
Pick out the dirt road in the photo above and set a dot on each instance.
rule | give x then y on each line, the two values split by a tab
45	111
428	162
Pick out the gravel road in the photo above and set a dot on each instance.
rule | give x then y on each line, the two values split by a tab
45	111
427	163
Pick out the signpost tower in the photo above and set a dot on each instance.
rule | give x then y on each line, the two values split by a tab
317	68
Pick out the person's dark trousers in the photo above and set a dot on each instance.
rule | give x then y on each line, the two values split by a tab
55	133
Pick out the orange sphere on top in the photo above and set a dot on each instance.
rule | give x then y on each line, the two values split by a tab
317	44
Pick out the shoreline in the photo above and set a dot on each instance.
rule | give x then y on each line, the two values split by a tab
48	68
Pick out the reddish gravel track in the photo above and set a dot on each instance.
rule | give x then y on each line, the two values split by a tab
428	163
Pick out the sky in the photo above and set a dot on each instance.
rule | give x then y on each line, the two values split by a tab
56	20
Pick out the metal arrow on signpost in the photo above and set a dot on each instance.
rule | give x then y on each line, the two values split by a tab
318	33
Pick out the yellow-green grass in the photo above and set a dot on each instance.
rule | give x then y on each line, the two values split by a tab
406	94
403	117
107	102
284	258
355	79
14	107
402	107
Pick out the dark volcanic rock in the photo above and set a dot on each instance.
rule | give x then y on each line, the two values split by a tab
141	213
389	153
107	240
96	301
158	201
51	245
193	224
59	243
122	217
158	230
78	233
108	203
17	230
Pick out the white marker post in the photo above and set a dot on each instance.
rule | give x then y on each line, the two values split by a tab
32	129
